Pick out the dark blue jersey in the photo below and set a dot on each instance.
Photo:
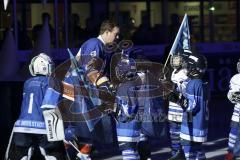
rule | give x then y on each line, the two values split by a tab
133	99
31	118
195	118
92	48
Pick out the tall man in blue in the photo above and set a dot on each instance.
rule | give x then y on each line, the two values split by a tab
194	126
95	47
88	56
30	130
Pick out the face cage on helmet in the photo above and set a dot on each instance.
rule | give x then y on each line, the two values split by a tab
129	74
51	67
176	61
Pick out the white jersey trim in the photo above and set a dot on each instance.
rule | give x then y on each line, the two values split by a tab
174	104
176	108
48	106
175	113
128	139
193	138
175	118
29	130
235	118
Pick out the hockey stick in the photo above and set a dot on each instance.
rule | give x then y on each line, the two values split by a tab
9	145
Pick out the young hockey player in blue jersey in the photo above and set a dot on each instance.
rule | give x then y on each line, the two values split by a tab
234	97
194	126
135	105
29	130
180	79
127	128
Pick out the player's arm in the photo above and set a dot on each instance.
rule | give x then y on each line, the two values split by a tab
194	98
52	94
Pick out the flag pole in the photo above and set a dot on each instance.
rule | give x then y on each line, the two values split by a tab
174	43
165	64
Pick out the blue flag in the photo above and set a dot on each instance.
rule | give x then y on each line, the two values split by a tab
182	40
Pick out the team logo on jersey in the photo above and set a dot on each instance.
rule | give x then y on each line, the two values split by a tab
93	54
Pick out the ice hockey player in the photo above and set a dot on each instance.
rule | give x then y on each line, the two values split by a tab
180	79
234	96
136	105
194	126
29	131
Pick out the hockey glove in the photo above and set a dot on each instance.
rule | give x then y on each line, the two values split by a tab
70	133
183	103
174	96
234	97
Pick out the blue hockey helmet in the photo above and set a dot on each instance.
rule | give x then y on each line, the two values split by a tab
126	68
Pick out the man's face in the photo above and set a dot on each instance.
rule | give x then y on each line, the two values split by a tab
112	35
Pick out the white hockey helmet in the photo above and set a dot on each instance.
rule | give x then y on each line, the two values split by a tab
41	65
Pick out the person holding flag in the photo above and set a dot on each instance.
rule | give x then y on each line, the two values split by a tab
179	50
189	71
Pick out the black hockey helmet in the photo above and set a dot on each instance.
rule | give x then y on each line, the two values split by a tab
196	65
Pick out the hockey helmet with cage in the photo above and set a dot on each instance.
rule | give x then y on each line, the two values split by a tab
177	60
41	64
196	65
126	68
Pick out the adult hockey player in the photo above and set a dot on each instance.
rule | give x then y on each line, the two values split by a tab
96	47
194	126
234	96
90	68
98	73
29	130
180	79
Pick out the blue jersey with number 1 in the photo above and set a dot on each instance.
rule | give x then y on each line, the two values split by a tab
31	118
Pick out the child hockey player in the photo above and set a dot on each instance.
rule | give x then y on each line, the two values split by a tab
29	130
194	126
234	97
179	78
136	105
